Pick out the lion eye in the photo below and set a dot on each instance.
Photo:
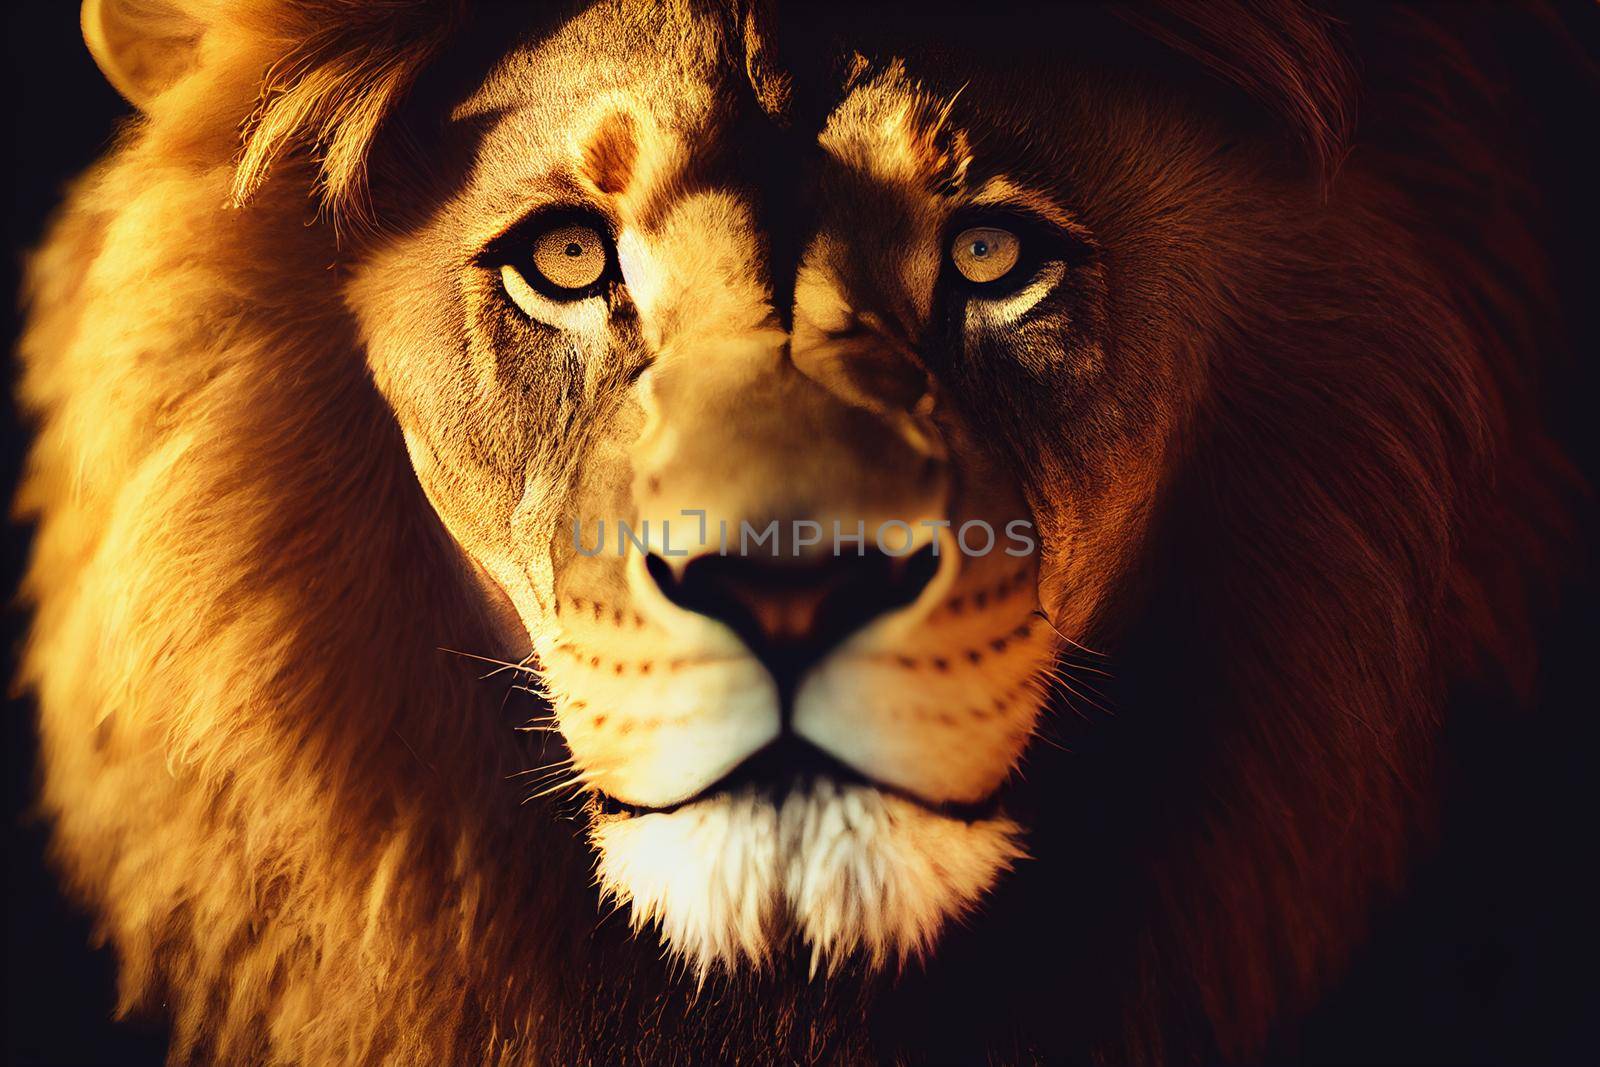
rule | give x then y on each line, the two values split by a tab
570	257
565	260
984	254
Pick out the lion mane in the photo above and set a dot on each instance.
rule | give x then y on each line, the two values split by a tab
290	811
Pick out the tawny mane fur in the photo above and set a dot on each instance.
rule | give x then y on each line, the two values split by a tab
289	810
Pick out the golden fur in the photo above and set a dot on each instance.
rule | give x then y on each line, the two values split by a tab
294	815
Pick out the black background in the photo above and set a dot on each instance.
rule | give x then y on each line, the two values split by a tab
1489	957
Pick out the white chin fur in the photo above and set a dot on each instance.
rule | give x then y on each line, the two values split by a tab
845	869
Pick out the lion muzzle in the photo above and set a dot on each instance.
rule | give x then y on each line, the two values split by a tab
804	517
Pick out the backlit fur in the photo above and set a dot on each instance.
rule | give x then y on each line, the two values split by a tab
296	819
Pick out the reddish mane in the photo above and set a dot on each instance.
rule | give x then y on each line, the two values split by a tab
1367	517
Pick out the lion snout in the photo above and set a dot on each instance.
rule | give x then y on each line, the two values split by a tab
790	614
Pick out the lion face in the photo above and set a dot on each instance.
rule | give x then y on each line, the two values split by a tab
765	437
788	390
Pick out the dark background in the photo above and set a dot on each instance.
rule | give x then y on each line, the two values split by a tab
1490	957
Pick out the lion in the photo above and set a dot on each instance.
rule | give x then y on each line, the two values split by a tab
670	531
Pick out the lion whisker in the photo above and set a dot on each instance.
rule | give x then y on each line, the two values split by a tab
1048	621
1061	672
500	665
559	766
1043	735
531	726
548	776
581	781
1058	678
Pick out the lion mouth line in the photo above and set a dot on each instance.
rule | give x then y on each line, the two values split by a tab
790	764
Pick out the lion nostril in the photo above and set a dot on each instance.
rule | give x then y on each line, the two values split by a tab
791	613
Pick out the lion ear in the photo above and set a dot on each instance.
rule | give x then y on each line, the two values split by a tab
141	46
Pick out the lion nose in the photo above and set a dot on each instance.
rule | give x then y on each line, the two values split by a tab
791	613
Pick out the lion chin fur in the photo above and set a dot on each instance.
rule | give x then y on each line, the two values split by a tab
288	811
852	872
